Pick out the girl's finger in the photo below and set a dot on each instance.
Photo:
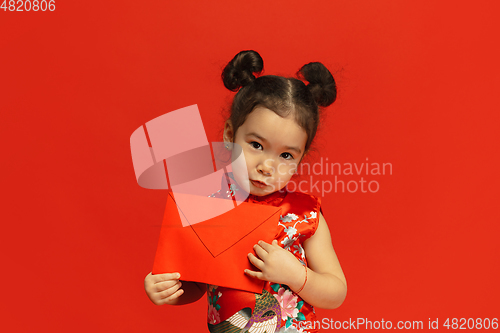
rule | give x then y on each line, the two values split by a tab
167	277
260	251
164	285
256	261
170	291
256	275
266	246
175	295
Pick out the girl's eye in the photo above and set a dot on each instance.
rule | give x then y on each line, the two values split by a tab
256	145
287	156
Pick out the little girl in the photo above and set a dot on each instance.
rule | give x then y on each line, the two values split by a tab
274	119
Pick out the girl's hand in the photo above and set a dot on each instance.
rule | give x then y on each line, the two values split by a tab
163	288
276	264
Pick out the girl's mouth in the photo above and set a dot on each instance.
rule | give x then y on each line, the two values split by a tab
258	184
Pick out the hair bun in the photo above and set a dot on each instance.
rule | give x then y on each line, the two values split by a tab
239	71
321	82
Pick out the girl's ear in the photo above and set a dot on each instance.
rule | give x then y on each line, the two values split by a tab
228	132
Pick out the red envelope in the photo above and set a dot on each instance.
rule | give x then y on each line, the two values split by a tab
215	251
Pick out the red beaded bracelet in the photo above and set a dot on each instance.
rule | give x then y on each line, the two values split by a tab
304	281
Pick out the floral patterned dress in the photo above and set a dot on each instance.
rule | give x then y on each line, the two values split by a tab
278	308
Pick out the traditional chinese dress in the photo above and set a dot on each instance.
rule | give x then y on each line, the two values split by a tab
278	308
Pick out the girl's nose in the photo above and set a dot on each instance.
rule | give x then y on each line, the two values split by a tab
266	167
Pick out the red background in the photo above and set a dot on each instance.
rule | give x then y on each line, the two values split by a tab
418	88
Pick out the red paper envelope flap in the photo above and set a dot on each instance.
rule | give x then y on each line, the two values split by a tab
221	232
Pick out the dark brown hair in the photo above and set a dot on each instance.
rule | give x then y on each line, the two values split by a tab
282	95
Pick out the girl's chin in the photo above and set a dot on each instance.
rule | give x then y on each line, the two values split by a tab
260	192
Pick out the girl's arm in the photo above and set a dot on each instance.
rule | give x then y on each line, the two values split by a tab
326	286
165	289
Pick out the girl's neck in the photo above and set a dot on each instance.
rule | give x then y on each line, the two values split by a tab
275	196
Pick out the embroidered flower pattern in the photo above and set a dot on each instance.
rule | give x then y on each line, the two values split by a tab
232	190
300	250
213	316
287	242
290	306
229	193
288	303
291	231
289	218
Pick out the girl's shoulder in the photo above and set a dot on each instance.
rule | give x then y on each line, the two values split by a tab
303	199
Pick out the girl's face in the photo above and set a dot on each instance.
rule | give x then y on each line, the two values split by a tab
273	147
